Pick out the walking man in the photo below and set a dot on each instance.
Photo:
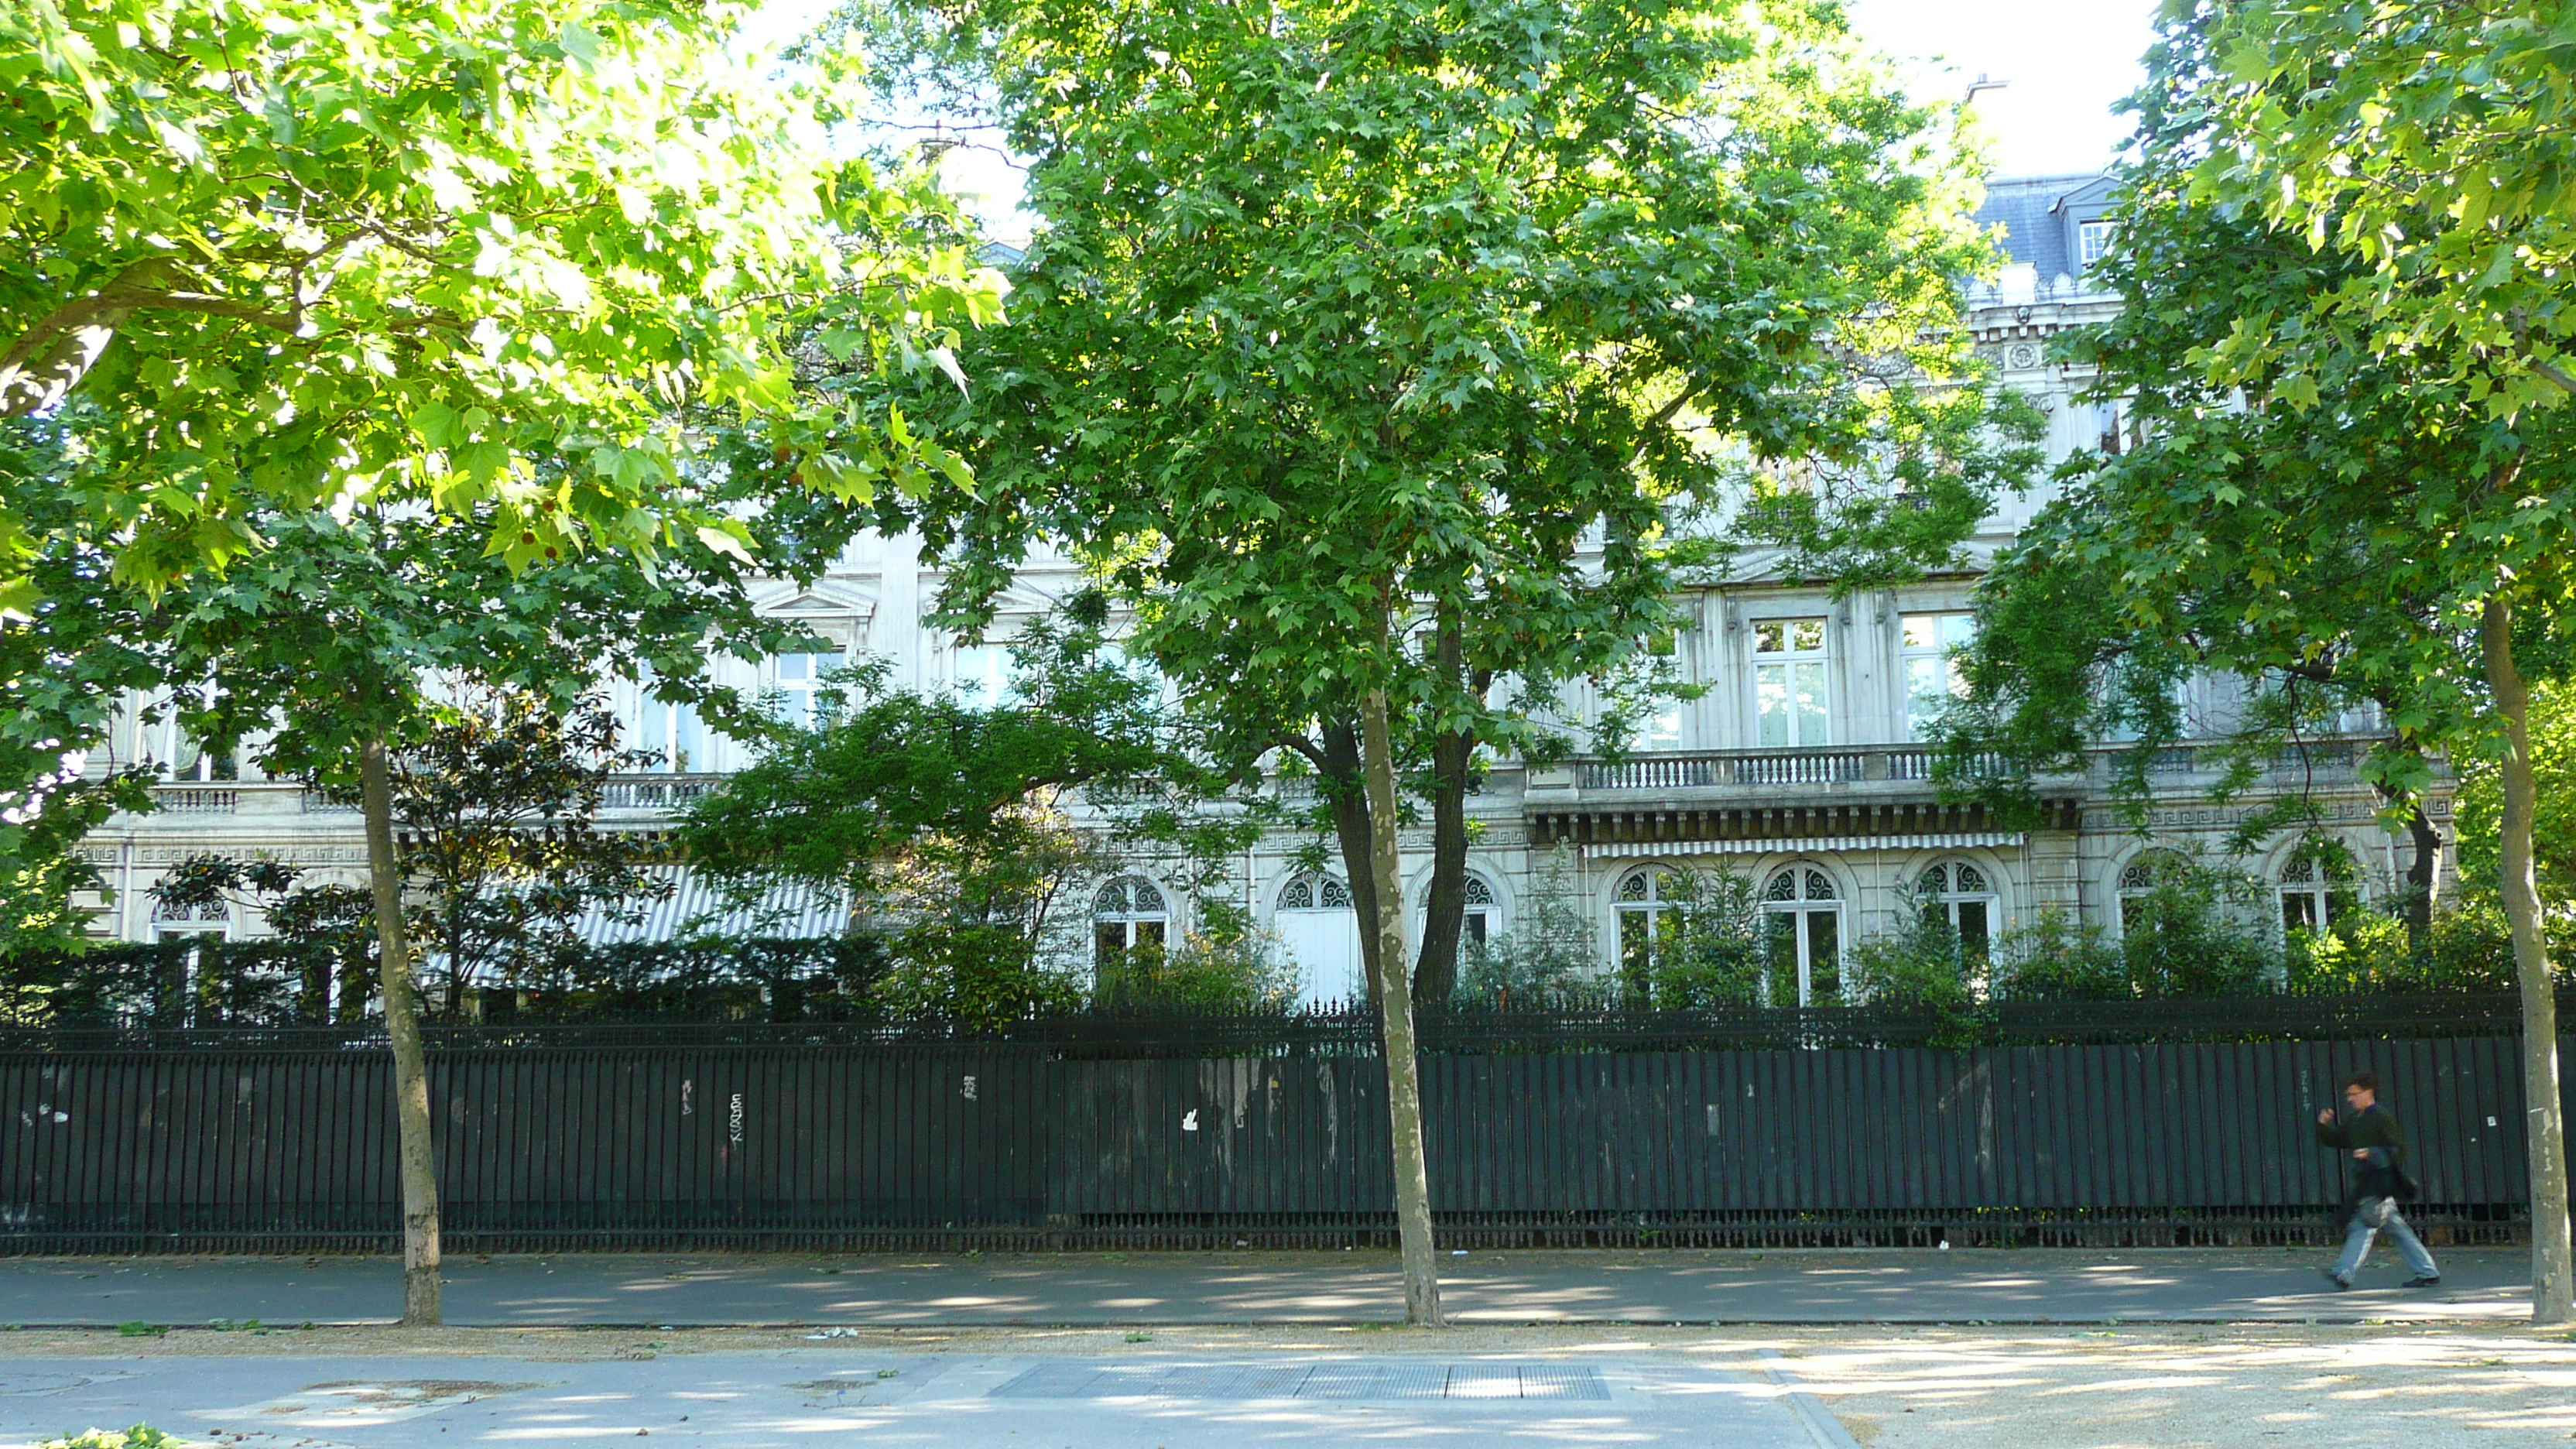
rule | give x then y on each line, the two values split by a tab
2378	1151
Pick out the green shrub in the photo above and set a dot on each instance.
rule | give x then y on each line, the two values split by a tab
1919	966
1549	960
2196	934
1227	965
2056	958
1708	949
141	1436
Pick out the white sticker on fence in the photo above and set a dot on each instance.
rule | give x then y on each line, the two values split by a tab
1190	1120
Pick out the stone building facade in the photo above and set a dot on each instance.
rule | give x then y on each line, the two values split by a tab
1800	766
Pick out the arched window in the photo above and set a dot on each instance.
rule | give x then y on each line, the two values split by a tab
1802	939
1128	914
1317	892
1481	923
1321	931
1645	905
197	918
2317	888
1958	892
2145	874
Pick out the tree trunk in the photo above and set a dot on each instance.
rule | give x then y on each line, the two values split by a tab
2553	1295
2423	879
1453	759
1395	994
1444	926
1346	791
411	1067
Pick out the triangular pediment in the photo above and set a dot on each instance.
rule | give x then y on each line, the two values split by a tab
824	599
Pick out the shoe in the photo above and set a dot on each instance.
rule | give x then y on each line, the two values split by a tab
2342	1285
2433	1282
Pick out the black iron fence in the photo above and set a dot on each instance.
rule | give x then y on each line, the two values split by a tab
644	1143
1468	1029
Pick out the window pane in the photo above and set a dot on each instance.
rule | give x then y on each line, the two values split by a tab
1769	638
1780	957
1771	700
1922	631
1972	930
1108	942
1807	635
1150	933
1636	933
1824	958
1476	927
1811	704
1664	729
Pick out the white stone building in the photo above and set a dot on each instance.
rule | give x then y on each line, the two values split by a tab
1799	767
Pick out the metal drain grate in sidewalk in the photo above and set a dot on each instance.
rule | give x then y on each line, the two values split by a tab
1231	1382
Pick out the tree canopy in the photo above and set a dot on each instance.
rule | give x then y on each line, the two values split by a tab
297	255
2432	142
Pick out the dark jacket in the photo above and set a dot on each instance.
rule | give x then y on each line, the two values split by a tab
2382	1173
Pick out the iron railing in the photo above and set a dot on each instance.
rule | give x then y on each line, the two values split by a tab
1467	1029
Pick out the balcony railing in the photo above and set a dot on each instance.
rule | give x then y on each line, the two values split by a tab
1721	769
197	799
656	792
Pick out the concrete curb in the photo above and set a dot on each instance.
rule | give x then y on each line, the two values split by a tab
1821	1425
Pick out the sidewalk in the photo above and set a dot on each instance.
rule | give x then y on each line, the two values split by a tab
1970	1286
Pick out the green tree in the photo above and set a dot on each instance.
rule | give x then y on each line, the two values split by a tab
946	815
296	252
2339	516
1371	350
2433	143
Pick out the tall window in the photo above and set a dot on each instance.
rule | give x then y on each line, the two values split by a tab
1802	938
1645	905
668	729
2092	241
2316	891
1789	682
2142	877
983	674
1479	925
1129	914
1664	720
179	757
1957	892
1931	674
801	682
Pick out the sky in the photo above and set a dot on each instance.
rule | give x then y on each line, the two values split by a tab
2065	64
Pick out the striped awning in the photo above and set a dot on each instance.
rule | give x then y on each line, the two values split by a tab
1804	845
792	910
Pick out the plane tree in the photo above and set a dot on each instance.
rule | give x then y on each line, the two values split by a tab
2329	521
1371	353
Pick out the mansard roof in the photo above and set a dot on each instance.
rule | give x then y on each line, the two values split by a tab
2037	211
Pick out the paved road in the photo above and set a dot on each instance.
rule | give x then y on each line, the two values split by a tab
768	1398
2036	1286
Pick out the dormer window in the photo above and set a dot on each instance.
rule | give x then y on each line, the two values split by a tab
2092	242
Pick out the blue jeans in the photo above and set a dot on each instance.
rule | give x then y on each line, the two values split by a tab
2357	1240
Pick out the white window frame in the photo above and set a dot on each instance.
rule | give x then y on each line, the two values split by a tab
1646	909
800	677
671	730
2308	889
980	674
2092	241
1935	660
1965	895
1482	917
1122	906
1793	661
1812	894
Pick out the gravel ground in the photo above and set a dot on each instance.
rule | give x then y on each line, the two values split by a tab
2178	1387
